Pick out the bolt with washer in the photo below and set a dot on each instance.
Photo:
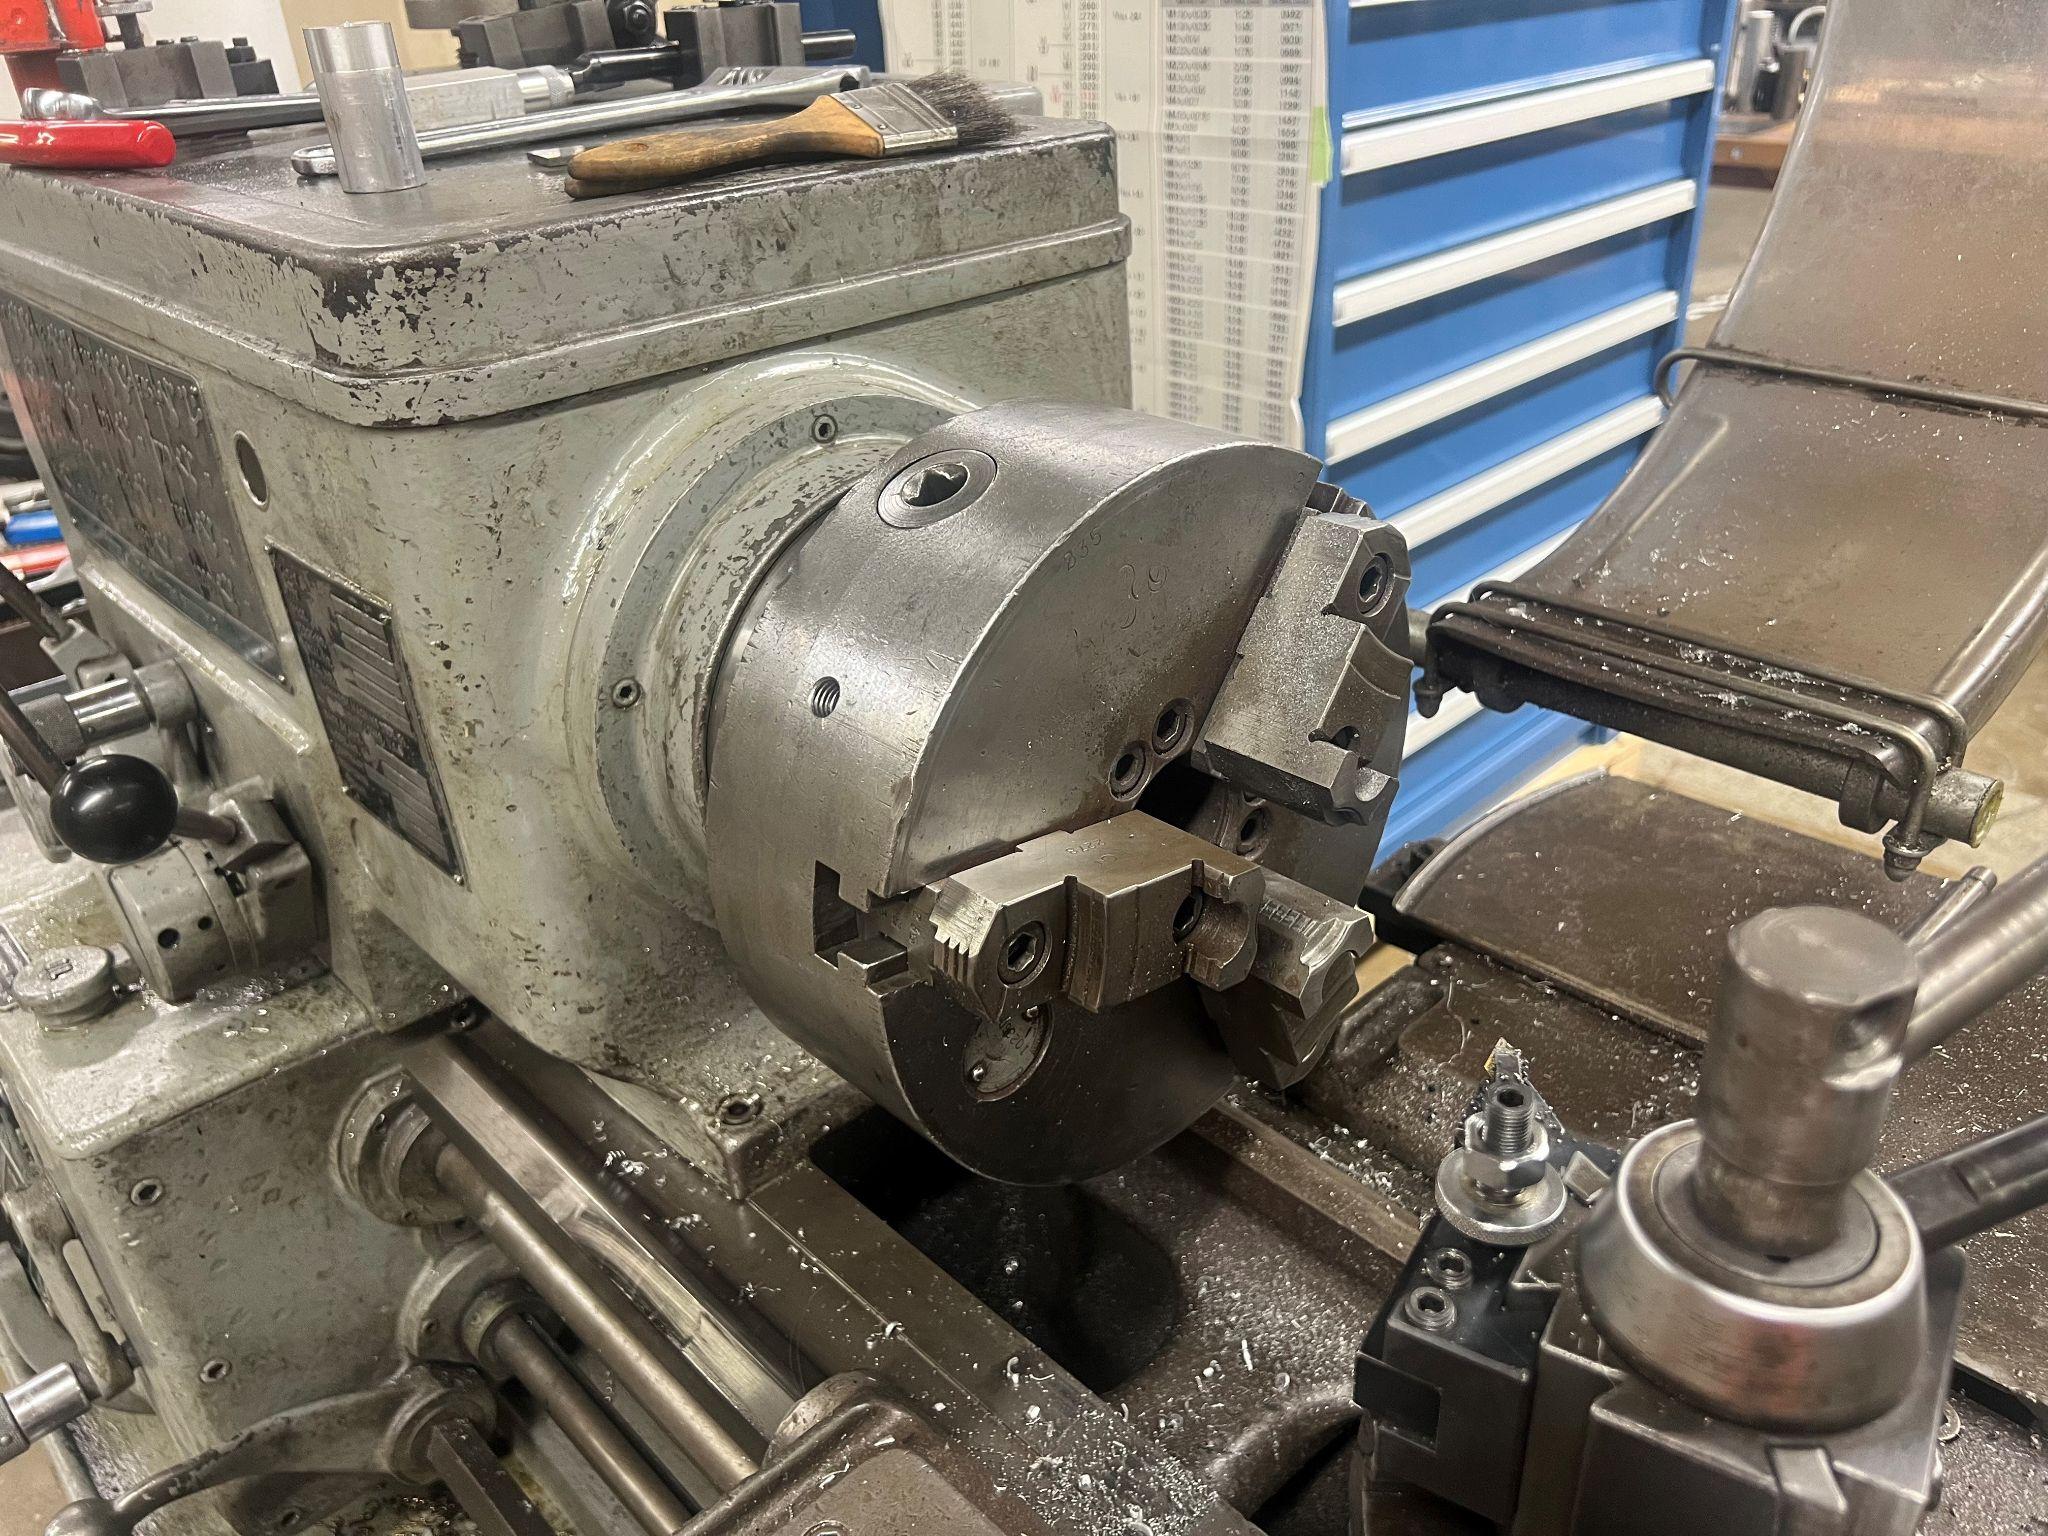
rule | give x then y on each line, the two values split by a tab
1500	1187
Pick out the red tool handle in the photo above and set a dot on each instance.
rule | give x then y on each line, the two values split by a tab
112	144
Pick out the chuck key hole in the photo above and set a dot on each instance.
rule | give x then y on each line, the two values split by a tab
935	483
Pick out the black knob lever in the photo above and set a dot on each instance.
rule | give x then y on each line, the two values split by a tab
111	809
115	809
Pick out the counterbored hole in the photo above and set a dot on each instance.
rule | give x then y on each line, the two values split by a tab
1251	832
168	939
935	483
214	1370
739	1108
1375	582
1023	954
254	481
1171	728
1127	773
1430	1308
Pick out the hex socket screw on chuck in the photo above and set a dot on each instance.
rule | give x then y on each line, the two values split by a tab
363	99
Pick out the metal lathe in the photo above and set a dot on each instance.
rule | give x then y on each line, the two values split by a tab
676	880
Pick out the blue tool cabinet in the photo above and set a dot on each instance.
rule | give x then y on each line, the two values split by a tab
1506	252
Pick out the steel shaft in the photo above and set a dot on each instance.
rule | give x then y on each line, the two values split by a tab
522	1351
1798	1074
363	97
645	1363
1973	961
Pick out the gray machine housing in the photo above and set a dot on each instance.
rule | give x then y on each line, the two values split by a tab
645	368
534	441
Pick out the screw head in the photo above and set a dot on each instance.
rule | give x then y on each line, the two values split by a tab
1449	1268
737	1109
1430	1307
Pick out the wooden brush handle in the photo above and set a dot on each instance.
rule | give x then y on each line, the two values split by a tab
824	128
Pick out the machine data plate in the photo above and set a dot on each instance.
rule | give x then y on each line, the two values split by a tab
134	458
350	650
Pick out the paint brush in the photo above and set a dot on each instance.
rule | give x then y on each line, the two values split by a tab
903	117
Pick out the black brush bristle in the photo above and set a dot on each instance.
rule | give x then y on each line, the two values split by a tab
970	108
